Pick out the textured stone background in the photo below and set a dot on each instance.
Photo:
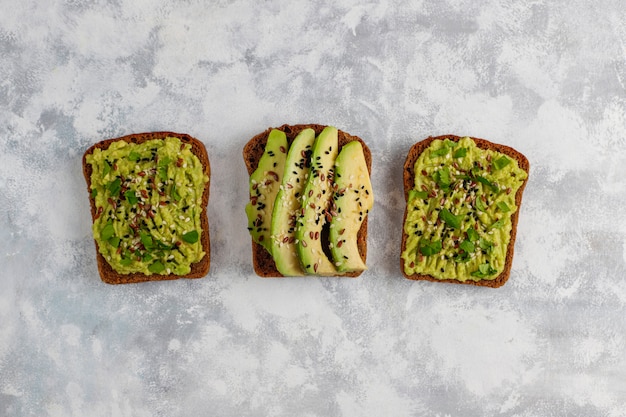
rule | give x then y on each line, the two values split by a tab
546	77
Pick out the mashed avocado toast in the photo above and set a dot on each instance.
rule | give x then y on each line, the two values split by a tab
148	197
463	197
310	194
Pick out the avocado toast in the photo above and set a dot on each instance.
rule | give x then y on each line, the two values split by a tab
463	197
308	207
148	198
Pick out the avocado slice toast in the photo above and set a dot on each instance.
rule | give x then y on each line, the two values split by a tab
291	233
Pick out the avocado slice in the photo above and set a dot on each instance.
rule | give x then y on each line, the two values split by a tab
287	206
316	199
264	185
353	199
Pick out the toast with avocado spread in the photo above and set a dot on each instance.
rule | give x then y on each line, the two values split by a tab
310	194
463	198
148	198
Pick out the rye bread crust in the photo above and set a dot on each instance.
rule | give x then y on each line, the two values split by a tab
198	269
262	261
408	179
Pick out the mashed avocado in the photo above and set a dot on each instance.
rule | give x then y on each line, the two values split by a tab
148	201
458	221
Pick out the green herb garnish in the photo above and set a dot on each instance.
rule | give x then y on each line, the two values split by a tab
146	240
134	156
460	153
450	219
486	182
107	231
500	162
442	178
484	270
191	237
174	193
156	267
162	167
115	187
439	152
114	241
413	194
480	205
498	224
428	248
106	169
472	235
485	245
467	246
450	143
131	197
503	206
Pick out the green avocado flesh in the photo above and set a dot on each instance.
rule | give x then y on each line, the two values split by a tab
287	205
264	186
308	205
315	201
148	200
458	221
352	201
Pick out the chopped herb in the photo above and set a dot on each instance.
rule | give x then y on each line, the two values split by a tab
485	245
162	167
467	246
146	240
500	162
156	267
486	182
442	178
191	237
480	205
413	194
472	235
125	261
131	197
503	206
484	270
460	153
174	193
108	231
114	241
498	224
428	248
114	187
106	169
94	193
450	144
439	152
134	156
450	219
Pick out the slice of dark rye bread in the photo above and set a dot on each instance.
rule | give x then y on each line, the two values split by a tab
409	178
198	269
262	260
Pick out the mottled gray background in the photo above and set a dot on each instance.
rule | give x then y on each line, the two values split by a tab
546	77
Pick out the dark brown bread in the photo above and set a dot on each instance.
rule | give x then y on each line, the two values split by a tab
198	269
262	261
409	177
